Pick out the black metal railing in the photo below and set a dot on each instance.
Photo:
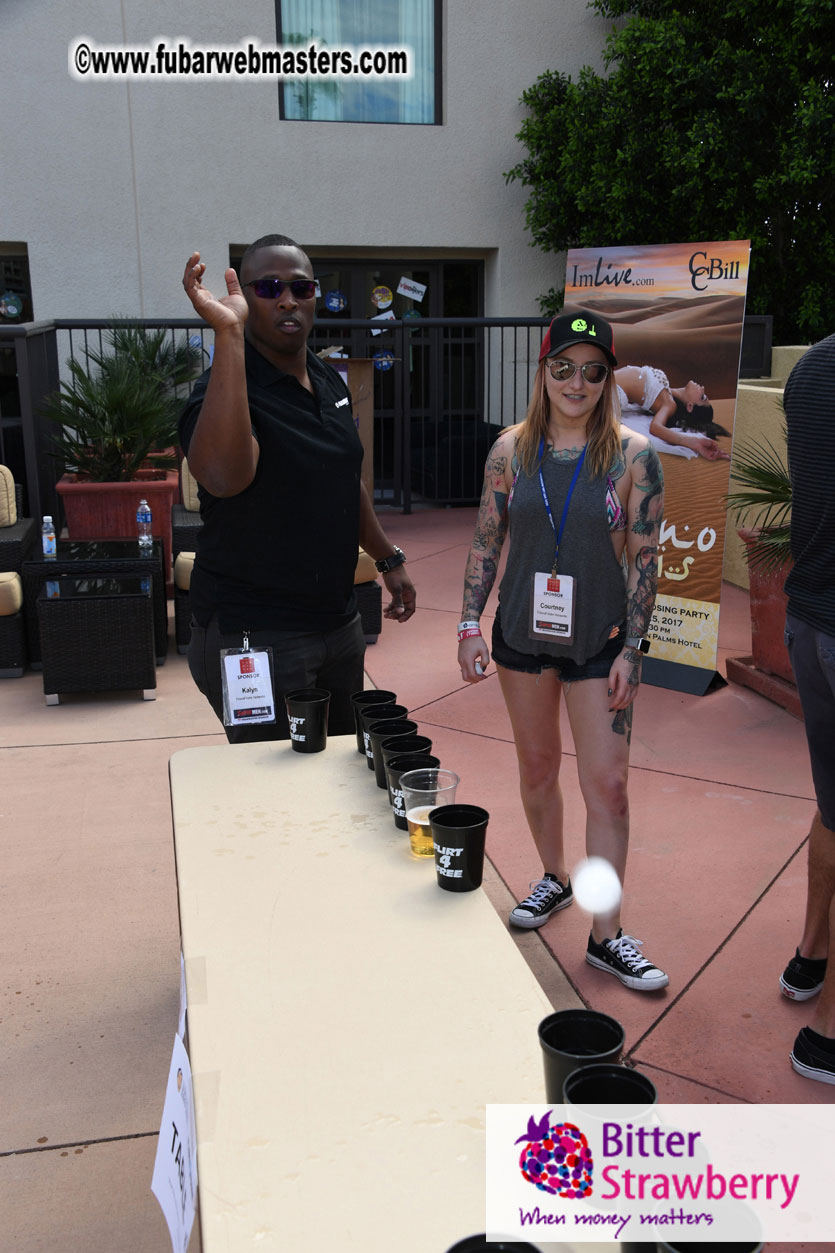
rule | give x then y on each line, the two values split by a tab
442	389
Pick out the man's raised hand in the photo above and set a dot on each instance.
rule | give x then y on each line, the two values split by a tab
227	313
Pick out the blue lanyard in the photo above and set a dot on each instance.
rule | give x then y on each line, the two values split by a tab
577	470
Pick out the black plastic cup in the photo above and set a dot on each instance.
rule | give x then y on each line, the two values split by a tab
478	1244
605	1083
361	700
397	745
686	1246
378	713
571	1038
401	729
389	729
402	764
307	713
458	834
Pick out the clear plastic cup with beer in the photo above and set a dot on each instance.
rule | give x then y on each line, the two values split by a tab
423	790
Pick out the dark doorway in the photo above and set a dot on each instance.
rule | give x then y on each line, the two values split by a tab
441	368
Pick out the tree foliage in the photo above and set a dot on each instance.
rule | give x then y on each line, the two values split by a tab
713	120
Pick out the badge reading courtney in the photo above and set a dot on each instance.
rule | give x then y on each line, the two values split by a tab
247	686
552	607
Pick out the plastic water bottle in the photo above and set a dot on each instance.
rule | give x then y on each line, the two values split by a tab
50	548
143	525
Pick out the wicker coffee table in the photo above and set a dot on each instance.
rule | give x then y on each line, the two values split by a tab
97	635
95	559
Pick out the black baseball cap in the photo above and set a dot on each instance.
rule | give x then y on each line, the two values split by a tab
581	327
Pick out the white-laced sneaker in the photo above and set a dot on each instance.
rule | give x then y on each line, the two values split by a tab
548	896
622	957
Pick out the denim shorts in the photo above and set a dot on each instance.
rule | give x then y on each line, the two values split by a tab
812	654
568	671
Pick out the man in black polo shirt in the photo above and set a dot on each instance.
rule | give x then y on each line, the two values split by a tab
809	402
270	437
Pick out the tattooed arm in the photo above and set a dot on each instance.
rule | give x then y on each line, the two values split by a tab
483	559
645	508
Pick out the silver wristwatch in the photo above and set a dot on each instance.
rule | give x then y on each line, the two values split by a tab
391	563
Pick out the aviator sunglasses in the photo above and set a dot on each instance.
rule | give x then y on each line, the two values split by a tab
592	371
271	288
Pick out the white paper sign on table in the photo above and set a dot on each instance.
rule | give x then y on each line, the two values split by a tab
174	1181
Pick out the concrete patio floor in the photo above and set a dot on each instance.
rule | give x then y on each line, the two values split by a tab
721	799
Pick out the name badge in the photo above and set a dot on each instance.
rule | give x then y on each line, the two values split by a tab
247	686
552	607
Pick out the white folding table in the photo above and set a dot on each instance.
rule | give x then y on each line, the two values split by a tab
347	1019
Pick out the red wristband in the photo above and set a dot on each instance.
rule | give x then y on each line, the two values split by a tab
469	633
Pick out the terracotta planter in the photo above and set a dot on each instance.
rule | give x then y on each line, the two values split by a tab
108	510
768	617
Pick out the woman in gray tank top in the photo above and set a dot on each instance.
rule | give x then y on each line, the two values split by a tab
581	499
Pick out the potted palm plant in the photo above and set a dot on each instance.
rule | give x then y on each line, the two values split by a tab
116	419
764	499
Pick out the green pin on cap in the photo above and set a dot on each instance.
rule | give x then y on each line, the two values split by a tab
578	328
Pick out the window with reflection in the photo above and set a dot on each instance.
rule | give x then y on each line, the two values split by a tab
339	24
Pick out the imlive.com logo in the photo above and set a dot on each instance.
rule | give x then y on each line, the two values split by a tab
556	1159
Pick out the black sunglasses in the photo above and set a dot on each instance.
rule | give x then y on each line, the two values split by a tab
592	371
271	288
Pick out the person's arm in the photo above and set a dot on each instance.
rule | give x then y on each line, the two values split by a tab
222	453
483	559
645	509
662	410
373	539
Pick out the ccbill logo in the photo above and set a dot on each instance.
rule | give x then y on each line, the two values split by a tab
556	1158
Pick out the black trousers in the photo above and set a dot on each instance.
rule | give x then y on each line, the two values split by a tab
333	661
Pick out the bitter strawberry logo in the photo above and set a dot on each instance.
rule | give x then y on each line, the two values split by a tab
556	1159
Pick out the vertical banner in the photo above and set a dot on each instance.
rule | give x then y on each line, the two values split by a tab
677	311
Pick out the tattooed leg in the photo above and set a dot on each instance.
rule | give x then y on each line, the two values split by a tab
622	723
603	771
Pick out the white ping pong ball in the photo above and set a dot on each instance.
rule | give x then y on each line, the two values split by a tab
596	885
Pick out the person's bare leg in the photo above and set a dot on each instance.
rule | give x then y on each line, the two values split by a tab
603	768
533	704
817	930
820	919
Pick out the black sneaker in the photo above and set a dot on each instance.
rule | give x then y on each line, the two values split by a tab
803	977
622	957
810	1059
547	897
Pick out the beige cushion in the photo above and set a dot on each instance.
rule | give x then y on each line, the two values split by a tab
189	483
366	570
11	593
8	505
182	571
